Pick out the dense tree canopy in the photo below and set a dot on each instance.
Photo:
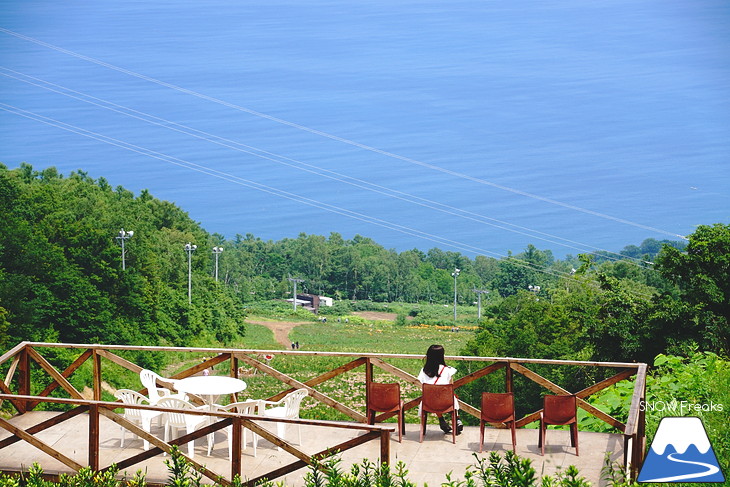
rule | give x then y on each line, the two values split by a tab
60	272
61	279
620	310
702	274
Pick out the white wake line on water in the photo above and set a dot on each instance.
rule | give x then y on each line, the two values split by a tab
302	166
712	469
335	137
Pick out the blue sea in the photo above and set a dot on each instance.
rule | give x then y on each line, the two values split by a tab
474	126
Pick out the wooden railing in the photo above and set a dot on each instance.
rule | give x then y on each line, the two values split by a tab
96	409
16	388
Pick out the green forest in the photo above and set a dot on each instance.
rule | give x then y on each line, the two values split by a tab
61	279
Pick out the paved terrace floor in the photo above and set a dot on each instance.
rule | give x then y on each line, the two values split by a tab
427	462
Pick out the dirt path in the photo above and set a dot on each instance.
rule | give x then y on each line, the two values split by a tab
376	315
88	392
281	330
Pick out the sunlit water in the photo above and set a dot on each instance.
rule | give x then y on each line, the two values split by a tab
570	125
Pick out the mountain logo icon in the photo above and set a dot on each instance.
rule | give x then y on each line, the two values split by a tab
681	452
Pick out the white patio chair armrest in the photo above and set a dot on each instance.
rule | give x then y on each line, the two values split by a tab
263	404
270	403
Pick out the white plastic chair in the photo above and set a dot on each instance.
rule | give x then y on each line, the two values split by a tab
155	392
180	420
139	416
286	408
250	407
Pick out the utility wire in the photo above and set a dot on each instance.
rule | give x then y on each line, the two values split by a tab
306	167
277	192
335	137
285	194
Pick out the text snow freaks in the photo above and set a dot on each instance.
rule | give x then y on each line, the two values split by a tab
680	407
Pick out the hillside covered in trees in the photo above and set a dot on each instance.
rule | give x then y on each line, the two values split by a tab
61	279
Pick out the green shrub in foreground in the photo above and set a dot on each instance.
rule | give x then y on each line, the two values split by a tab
495	472
84	478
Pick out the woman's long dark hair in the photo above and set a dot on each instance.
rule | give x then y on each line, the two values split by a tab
434	358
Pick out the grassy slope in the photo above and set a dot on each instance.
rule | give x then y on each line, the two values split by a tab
385	337
380	337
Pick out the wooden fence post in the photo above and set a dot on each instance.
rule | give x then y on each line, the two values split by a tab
236	446
368	381
94	437
508	378
234	366
24	379
639	443
96	359
385	447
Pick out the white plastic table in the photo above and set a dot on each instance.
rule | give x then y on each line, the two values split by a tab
210	387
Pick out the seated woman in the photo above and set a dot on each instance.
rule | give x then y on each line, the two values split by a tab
435	371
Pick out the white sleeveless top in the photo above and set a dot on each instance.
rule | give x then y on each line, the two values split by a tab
443	377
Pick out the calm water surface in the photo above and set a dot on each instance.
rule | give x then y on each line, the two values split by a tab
571	125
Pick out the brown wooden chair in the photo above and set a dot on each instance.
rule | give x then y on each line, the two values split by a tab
497	408
559	410
438	399
385	398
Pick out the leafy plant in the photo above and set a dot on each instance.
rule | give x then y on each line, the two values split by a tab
328	473
85	477
513	471
613	474
181	472
9	481
35	477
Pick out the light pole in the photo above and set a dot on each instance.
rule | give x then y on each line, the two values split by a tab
534	290
122	237
455	274
295	281
479	301
190	248
217	251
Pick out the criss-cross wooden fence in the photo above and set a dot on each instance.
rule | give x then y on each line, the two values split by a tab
27	357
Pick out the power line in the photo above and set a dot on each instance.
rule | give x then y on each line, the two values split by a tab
281	193
274	191
335	137
310	168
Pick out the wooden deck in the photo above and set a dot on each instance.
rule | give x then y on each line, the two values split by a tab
427	462
89	433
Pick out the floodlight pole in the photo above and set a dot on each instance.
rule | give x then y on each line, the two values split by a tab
217	251
455	274
190	248
122	237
